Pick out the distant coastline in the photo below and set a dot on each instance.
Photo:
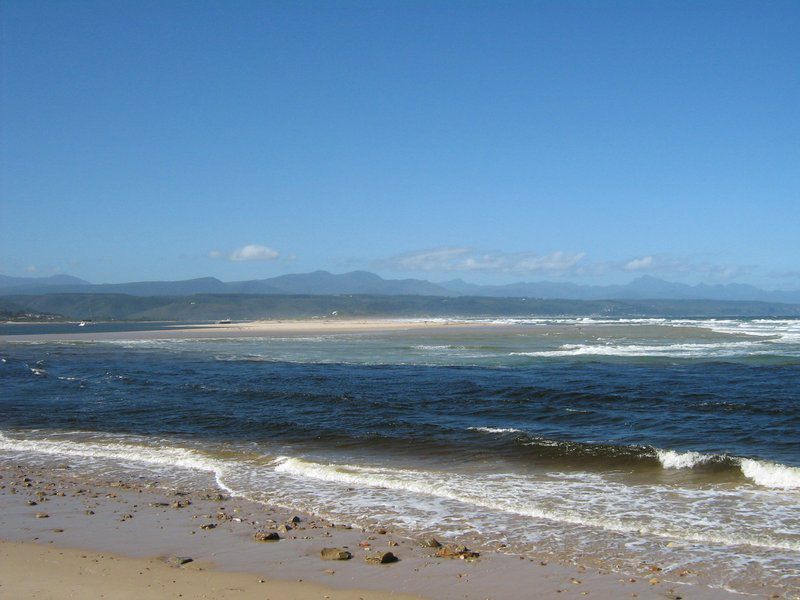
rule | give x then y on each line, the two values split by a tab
213	307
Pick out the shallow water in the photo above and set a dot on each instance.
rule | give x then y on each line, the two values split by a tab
670	441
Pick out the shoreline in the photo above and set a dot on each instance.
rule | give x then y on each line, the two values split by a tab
133	526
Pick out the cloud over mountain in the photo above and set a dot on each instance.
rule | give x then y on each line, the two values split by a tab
253	252
468	259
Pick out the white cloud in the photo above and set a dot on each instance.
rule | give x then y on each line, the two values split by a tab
666	264
639	264
214	254
429	260
253	252
556	261
466	259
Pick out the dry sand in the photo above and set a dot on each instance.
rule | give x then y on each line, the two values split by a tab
279	327
29	570
116	539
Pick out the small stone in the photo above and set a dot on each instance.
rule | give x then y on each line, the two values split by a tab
179	560
335	554
89	512
431	542
42	515
208	526
393	543
266	536
654	581
456	551
32	503
381	558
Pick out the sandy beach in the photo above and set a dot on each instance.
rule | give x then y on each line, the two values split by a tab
264	328
66	536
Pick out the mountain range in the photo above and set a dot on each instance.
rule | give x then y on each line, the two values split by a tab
363	282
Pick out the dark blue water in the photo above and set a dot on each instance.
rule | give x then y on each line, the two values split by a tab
605	413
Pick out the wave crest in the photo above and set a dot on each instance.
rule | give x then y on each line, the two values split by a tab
769	474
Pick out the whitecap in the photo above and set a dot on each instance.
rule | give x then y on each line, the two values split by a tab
769	474
671	459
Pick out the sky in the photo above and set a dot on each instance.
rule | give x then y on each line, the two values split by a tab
491	141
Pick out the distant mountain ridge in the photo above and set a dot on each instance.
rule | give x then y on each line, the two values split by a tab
645	287
51	280
366	283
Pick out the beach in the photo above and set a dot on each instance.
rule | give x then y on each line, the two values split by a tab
245	329
535	451
128	539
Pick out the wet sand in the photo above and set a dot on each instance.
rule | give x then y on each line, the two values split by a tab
116	538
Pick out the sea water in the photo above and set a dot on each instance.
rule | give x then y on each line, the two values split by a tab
620	441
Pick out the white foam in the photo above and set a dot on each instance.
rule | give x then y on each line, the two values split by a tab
511	494
739	348
772	475
671	459
167	456
496	429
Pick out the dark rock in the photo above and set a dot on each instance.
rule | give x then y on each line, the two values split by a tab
430	543
178	561
381	558
266	536
335	554
208	526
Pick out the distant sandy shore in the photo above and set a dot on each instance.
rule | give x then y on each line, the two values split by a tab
259	329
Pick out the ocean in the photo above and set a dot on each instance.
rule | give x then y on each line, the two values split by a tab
671	442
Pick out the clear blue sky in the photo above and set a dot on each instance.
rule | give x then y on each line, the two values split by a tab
493	141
